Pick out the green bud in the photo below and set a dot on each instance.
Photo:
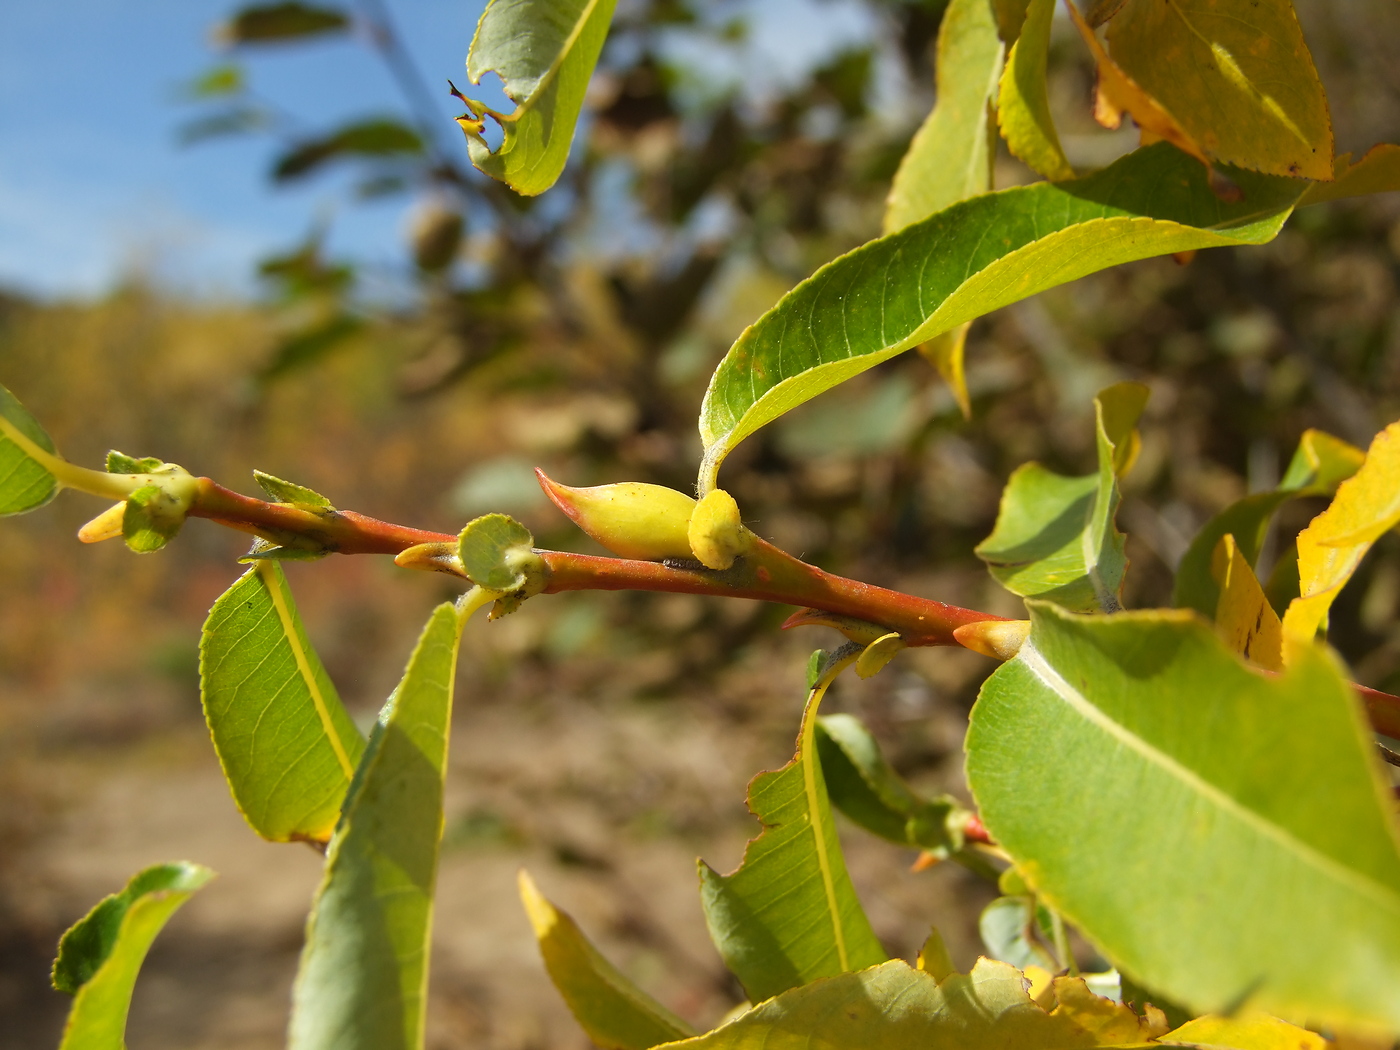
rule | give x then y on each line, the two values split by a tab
630	519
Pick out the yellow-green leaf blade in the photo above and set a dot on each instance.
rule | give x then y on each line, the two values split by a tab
616	1014
1366	506
1235	74
950	157
1175	850
967	260
364	969
1377	172
100	957
789	913
896	1007
1023	106
544	51
25	482
287	746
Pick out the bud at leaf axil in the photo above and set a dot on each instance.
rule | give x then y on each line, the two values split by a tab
631	519
716	534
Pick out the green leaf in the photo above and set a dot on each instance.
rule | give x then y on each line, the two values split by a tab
309	345
154	516
863	786
544	51
491	548
950	158
1377	172
1054	536
290	492
1320	464
287	746
120	463
965	261
276	23
365	138
1236	75
101	954
1023	107
364	970
1174	805
25	481
789	913
616	1014
1007	926
896	1007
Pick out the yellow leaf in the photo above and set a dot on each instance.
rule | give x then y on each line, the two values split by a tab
1329	550
1023	109
1235	75
1377	172
1256	1032
1244	619
1108	1022
946	353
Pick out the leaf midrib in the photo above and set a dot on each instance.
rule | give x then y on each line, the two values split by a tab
1041	668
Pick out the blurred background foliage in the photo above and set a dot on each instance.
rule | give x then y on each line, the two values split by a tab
605	739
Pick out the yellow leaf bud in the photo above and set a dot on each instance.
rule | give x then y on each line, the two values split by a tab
999	639
717	535
630	519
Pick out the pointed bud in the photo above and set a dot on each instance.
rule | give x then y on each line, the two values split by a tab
999	639
106	526
630	519
717	535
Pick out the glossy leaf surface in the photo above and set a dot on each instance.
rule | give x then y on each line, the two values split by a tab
1176	850
1235	74
1055	536
544	51
100	957
896	1007
364	970
1023	105
1366	507
965	261
789	913
25	483
616	1014
287	746
950	158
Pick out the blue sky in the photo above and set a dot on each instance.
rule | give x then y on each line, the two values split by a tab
93	185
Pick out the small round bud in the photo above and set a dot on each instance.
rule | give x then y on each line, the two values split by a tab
630	519
717	535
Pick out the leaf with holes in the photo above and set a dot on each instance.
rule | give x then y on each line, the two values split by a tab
1173	803
363	979
894	293
100	956
544	51
286	744
789	913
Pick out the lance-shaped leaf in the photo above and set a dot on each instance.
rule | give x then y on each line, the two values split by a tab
25	481
1023	107
1376	172
1174	804
100	956
967	260
1366	507
286	744
1320	463
1244	619
365	138
896	1007
950	158
616	1014
789	913
363	979
544	51
277	23
1054	537
1235	74
864	786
